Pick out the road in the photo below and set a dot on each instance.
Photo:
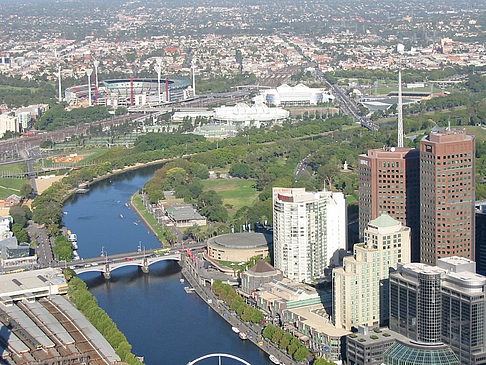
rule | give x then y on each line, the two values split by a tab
45	256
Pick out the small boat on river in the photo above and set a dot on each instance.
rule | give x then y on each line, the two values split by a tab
243	335
235	329
274	360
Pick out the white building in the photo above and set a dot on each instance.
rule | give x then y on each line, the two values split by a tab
360	295
8	123
309	229
299	95
250	116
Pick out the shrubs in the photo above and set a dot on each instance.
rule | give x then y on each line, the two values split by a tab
87	303
286	341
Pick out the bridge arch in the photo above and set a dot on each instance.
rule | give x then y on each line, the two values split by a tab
229	356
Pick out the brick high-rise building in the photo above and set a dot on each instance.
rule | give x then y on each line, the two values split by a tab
446	195
389	182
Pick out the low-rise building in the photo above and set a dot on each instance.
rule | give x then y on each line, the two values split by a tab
299	307
10	248
183	215
239	247
367	346
258	275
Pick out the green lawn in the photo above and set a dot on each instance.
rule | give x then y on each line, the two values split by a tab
13	168
236	192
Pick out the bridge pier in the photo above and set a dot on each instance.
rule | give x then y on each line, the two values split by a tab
145	266
107	272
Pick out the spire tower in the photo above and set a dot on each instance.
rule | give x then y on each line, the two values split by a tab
400	111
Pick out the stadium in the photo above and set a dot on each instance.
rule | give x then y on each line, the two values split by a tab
132	92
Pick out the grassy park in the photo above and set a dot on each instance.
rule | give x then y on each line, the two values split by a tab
235	192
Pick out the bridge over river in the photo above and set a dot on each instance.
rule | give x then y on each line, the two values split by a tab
105	264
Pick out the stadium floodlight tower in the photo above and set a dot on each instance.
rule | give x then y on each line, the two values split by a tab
59	83
96	63
89	72
158	68
193	79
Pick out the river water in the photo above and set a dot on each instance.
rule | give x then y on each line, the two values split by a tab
162	322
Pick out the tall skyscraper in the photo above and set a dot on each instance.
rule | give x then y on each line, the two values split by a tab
480	237
444	304
360	287
309	228
389	182
446	195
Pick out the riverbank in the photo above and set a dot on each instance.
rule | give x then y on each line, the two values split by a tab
148	219
223	311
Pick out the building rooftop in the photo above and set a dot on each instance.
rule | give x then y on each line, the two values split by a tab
384	220
244	240
30	283
183	212
262	267
315	316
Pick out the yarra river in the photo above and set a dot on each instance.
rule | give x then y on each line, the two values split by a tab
162	322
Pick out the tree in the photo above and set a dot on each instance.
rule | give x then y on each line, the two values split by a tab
301	353
269	331
26	190
278	334
240	170
20	233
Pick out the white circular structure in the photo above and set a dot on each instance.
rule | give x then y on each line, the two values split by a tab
218	356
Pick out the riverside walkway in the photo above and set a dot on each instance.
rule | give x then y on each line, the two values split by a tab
206	294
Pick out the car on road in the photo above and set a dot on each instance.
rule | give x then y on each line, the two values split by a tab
128	259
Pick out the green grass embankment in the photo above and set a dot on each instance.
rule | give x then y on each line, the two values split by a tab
154	226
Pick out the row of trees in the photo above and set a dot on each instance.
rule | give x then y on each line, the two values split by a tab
63	248
286	341
87	303
57	116
21	216
236	302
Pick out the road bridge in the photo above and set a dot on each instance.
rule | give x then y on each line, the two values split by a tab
105	266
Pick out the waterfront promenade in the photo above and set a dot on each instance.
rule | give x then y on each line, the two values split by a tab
206	294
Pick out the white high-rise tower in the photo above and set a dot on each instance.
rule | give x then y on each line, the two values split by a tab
400	111
309	230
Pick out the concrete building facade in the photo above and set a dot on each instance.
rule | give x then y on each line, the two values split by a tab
360	295
446	195
309	231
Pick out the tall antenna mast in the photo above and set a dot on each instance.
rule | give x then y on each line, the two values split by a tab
400	110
